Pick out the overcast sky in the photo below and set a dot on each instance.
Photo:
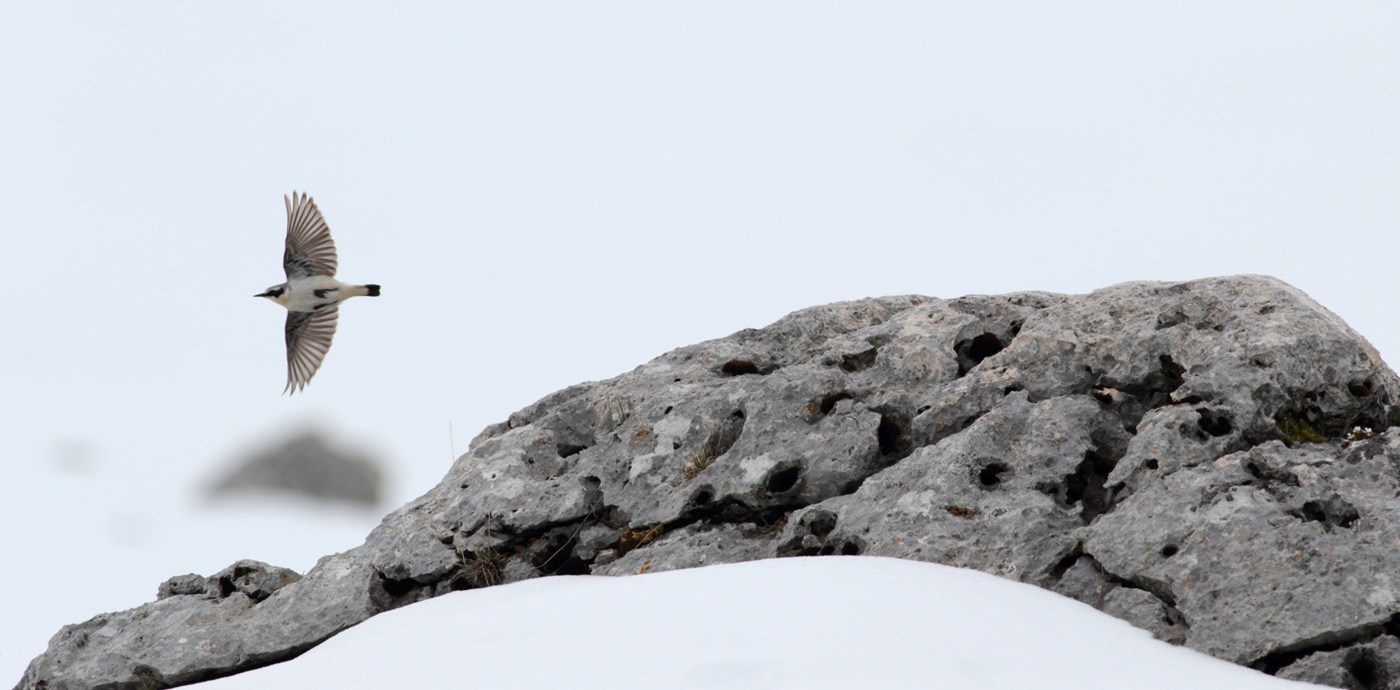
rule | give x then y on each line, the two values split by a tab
557	192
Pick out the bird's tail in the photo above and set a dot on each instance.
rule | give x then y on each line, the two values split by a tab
370	290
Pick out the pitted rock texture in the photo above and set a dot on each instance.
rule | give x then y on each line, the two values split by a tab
1209	460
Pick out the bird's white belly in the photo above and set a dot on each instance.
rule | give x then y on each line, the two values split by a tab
301	293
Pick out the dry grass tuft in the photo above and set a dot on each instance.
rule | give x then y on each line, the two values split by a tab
697	461
640	536
483	567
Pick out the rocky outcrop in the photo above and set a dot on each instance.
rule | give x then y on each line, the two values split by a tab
1209	460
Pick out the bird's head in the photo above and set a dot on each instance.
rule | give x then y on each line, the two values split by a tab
276	293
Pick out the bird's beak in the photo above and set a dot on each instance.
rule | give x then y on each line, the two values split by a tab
262	295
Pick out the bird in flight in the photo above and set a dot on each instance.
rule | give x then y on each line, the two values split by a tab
311	294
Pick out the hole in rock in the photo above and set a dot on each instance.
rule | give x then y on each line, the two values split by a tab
783	480
592	490
1172	373
990	476
888	434
398	588
1169	550
850	548
1064	564
573	566
1366	670
827	550
728	433
830	401
1150	464
567	449
1331	512
667	410
556	554
984	346
820	523
703	497
891	438
1359	389
559	560
1156	388
1165	320
1214	423
859	361
970	353
1086	485
738	367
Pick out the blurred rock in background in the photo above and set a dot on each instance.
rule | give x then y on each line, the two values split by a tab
75	455
308	466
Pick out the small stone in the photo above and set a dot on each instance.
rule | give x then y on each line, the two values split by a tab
255	579
181	585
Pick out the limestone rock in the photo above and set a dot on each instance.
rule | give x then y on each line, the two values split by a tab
234	624
1210	460
1372	665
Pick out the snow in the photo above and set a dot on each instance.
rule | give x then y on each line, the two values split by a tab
826	622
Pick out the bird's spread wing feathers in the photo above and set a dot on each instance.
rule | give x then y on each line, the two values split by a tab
310	250
309	336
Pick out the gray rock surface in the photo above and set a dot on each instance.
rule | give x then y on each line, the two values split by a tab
1179	455
307	465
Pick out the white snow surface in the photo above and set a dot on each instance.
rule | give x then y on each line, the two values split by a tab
825	622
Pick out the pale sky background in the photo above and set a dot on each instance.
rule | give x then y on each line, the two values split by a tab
558	192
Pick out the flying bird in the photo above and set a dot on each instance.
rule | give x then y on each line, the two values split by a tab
311	294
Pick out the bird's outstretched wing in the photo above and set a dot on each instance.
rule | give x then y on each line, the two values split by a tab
309	336
310	251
